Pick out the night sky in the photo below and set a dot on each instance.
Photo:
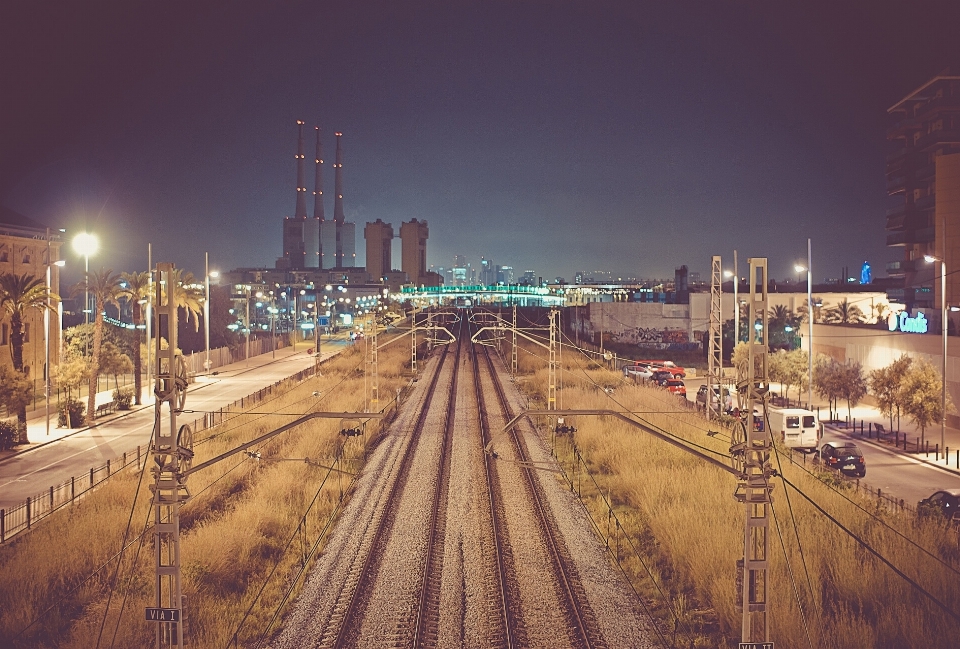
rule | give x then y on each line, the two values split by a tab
554	136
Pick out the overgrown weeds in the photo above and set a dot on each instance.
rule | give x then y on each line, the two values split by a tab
246	532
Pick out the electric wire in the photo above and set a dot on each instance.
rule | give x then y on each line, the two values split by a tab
866	546
793	579
796	531
126	531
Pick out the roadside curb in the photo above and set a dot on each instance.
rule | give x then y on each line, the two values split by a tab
35	445
871	442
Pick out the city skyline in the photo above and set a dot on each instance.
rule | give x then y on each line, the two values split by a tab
673	133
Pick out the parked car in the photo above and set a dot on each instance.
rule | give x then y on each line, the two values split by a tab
660	377
945	502
676	386
845	457
702	396
638	371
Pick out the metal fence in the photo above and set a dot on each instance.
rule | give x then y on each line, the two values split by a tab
37	507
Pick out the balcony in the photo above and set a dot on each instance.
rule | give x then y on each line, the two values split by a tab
899	153
925	202
923	235
925	173
896	221
896	184
895	268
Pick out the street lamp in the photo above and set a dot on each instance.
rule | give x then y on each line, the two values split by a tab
46	334
736	306
801	269
206	307
86	244
943	327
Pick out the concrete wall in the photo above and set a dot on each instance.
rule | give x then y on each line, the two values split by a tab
877	348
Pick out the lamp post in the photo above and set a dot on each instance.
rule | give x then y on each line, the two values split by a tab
46	334
943	326
206	308
800	269
86	244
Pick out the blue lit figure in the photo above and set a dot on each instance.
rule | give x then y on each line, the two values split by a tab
865	275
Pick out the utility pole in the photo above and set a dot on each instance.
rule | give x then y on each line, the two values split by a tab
552	377
413	340
172	452
513	349
374	370
715	360
753	449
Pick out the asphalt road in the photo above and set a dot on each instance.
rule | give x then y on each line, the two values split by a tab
898	475
31	472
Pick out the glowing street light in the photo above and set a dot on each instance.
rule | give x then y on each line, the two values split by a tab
86	244
943	326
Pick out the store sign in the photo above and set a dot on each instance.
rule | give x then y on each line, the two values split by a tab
904	323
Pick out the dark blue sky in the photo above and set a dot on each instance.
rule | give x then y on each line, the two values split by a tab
554	136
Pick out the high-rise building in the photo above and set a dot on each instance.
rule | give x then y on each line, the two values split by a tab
923	172
488	275
413	249
379	238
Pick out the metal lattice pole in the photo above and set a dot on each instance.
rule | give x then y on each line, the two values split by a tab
754	487
374	370
715	360
552	378
413	341
172	452
513	350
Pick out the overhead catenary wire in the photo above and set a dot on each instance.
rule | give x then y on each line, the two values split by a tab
866	546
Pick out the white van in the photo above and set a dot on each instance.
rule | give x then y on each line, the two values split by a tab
797	427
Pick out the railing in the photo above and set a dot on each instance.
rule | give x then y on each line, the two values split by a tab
24	516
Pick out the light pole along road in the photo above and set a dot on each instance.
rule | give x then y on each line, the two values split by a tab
28	473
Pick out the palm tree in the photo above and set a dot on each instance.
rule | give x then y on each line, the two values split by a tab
844	313
18	294
136	287
188	295
105	288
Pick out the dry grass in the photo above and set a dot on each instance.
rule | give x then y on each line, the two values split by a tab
236	529
679	512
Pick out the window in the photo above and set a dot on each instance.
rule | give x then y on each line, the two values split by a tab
3	334
26	256
4	254
809	421
26	332
793	422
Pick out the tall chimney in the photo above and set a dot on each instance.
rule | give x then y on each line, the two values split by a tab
301	212
338	201
318	182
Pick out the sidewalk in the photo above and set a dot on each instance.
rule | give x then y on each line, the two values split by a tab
866	415
37	422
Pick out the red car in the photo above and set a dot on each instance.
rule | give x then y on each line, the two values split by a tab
676	386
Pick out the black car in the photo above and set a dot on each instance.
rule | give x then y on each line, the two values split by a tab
660	377
945	502
845	457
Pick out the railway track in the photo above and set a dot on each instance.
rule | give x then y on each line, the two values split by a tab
445	543
583	628
342	627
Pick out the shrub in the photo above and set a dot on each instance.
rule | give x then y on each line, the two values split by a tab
123	397
75	409
8	434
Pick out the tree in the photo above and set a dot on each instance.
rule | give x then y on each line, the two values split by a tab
852	383
781	322
844	313
113	361
136	287
104	285
921	390
16	391
817	310
826	380
19	294
188	295
886	384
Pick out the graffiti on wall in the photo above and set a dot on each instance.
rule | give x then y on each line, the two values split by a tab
656	338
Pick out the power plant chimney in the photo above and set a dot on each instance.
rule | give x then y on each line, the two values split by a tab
338	201
318	182
301	212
